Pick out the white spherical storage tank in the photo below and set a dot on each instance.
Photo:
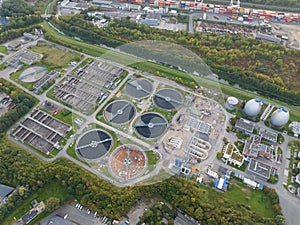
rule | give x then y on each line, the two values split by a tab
280	117
253	107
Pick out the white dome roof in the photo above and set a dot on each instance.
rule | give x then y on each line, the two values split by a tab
253	107
280	117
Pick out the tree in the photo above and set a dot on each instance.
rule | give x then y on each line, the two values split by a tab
15	8
52	204
280	220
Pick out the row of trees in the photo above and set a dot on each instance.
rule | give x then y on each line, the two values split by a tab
267	68
24	102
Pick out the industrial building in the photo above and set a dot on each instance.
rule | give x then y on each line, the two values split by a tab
254	148
253	107
202	130
233	155
280	117
14	45
56	220
231	103
5	191
152	19
30	37
268	38
268	135
295	128
260	169
245	126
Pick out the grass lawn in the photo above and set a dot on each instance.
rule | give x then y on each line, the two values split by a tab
2	66
152	160
151	157
3	49
68	117
51	190
54	57
167	114
256	199
179	76
71	152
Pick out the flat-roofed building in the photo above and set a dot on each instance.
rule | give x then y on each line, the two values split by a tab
56	220
254	148
268	135
31	37
268	38
295	128
5	191
262	170
245	126
14	45
202	130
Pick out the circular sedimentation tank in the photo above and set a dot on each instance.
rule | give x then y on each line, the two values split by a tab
119	112
168	99
150	125
94	144
32	74
139	88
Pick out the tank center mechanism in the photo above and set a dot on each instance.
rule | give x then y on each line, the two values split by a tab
94	144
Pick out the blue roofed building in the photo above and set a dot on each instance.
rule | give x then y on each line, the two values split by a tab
221	184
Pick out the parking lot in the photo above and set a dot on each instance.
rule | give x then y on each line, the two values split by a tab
77	214
41	131
85	87
172	26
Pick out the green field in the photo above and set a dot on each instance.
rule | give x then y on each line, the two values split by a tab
50	190
3	49
256	199
71	152
179	76
54	57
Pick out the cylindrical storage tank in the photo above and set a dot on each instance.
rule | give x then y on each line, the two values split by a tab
231	103
280	117
253	107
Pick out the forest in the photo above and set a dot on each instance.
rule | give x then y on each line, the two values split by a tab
24	102
21	19
19	168
269	69
14	8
